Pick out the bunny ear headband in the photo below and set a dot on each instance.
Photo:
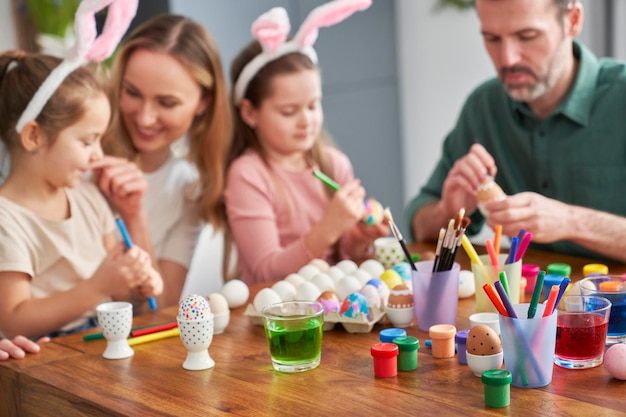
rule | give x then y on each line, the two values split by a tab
88	47
271	30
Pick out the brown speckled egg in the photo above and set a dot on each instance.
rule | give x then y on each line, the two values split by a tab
400	297
483	340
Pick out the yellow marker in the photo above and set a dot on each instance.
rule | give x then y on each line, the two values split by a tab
469	249
153	336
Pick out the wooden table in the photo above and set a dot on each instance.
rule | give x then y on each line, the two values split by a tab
71	378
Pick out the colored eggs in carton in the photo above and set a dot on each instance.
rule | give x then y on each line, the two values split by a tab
345	299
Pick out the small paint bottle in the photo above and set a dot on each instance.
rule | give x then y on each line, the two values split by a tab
530	272
549	281
461	341
387	335
497	384
407	356
559	269
442	336
595	269
385	359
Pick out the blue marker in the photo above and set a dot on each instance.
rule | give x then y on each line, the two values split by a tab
129	244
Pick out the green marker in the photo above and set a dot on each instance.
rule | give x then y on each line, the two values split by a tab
326	180
505	283
532	308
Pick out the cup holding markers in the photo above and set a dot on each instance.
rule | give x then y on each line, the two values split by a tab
488	273
116	319
581	329
528	345
195	324
613	288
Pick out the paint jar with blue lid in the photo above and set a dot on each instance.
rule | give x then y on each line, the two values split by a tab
461	345
387	335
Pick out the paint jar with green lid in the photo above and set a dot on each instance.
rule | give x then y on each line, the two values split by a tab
407	357
564	270
497	383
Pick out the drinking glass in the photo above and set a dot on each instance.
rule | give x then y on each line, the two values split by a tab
294	334
581	329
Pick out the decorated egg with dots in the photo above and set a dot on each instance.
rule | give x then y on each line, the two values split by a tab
330	301
354	305
373	213
194	307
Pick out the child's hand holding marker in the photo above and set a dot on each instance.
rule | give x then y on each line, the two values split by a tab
344	218
152	284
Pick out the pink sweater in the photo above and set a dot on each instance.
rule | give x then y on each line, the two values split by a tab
269	217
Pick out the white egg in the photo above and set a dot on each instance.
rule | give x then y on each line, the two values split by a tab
324	282
374	267
307	291
295	279
362	275
348	266
336	273
346	286
264	298
218	303
308	271
285	289
467	286
321	264
236	292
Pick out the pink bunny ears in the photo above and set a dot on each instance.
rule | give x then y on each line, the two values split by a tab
87	48
272	28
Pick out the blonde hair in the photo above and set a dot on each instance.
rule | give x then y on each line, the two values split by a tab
210	133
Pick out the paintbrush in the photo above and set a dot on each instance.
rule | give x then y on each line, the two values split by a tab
399	238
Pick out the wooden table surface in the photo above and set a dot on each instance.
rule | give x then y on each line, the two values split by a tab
69	377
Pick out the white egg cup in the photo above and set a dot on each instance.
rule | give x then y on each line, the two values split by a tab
481	363
196	336
400	317
116	319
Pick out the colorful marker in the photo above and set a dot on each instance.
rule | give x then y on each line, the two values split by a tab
129	244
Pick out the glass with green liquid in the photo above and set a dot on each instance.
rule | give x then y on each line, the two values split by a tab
294	334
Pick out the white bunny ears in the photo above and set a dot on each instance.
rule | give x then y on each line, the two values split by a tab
87	48
272	28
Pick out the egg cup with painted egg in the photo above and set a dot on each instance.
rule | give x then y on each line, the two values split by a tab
484	349
400	308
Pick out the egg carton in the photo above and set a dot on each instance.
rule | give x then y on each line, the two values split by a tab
360	324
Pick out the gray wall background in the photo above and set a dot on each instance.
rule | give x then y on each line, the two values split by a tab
358	62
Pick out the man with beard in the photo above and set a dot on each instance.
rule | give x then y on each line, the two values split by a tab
551	129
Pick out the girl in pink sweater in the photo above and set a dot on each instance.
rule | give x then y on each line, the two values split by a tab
280	215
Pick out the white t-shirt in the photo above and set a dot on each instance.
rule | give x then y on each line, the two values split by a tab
57	255
172	219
